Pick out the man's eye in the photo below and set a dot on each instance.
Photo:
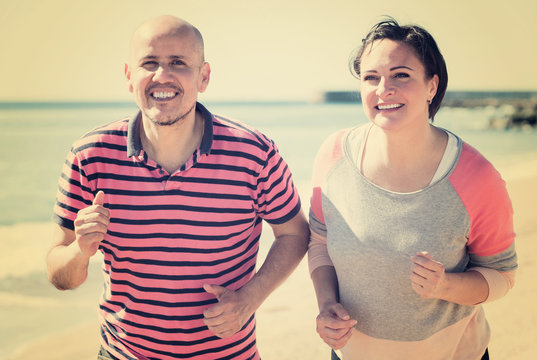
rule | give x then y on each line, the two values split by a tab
150	64
178	63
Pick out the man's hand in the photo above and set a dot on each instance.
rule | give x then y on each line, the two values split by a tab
334	325
69	254
230	314
91	225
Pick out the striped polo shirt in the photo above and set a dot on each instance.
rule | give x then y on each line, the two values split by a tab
170	234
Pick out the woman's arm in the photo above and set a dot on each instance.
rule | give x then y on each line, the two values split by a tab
475	286
334	324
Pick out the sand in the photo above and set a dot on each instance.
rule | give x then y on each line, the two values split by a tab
286	321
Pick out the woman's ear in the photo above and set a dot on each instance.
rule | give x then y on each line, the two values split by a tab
433	87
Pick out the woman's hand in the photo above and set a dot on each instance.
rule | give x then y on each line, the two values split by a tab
334	325
428	277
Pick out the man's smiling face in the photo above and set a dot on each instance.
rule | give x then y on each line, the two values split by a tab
166	71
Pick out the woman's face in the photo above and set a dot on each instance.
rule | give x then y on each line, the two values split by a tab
394	87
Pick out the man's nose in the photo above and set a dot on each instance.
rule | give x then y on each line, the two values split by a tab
162	74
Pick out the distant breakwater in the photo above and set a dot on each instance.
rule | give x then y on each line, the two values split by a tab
510	108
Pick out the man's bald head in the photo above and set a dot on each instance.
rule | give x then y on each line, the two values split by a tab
164	26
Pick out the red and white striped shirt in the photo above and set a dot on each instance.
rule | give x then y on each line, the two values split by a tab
171	233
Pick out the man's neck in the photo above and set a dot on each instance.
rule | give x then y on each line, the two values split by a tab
171	146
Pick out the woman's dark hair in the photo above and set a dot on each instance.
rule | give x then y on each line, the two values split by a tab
424	47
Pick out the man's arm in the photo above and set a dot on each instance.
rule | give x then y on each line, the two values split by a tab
69	254
234	308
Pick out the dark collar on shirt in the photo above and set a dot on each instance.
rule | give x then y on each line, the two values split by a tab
134	142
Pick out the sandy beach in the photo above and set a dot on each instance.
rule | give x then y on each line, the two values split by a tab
47	324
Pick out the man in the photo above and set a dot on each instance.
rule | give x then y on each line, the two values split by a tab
174	199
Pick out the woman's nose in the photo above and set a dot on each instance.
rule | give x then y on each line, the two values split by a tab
385	88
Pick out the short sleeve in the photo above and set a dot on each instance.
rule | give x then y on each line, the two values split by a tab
74	191
277	197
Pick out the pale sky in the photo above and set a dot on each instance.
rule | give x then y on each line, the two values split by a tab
258	50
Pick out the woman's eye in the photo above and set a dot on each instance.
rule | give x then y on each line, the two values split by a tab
401	75
370	78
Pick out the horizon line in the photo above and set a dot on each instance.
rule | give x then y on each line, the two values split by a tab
223	100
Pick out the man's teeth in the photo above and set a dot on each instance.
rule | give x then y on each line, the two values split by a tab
163	94
389	106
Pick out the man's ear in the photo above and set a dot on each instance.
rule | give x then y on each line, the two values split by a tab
128	78
205	76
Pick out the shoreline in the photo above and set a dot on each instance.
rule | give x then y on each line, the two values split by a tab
285	322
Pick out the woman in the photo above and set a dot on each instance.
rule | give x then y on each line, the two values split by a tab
411	227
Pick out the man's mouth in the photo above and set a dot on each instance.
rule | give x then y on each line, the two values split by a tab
163	92
388	106
163	95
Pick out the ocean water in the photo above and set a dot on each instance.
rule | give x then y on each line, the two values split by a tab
35	139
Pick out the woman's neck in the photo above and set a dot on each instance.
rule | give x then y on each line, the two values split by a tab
402	148
403	161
